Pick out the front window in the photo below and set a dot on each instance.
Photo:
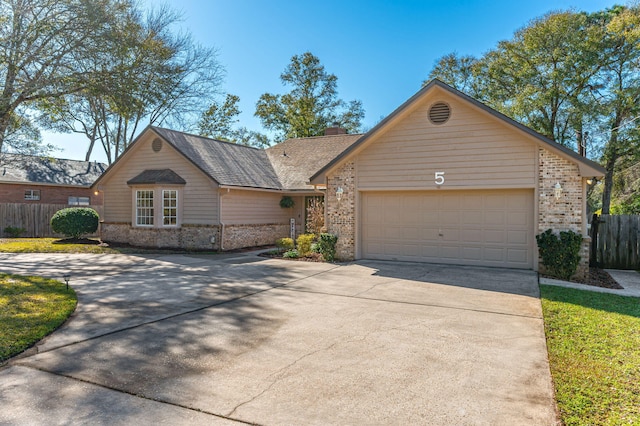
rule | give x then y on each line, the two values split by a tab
169	207
79	201
32	194
144	208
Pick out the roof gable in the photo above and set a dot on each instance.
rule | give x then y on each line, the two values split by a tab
17	168
587	167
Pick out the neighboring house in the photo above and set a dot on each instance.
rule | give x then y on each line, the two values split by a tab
443	179
47	180
447	179
172	189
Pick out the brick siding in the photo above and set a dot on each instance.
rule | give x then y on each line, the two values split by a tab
341	215
194	237
566	212
14	193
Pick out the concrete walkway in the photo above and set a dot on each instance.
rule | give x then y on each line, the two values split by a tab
241	339
630	280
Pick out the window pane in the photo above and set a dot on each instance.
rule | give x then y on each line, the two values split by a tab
169	207
144	208
32	194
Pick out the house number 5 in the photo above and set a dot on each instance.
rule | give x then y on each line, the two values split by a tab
439	178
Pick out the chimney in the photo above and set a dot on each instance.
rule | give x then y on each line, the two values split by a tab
335	130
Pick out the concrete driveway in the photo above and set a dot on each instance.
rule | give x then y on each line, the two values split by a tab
237	338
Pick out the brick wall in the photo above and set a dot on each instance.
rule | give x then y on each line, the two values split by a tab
191	237
195	237
240	236
341	216
14	193
566	212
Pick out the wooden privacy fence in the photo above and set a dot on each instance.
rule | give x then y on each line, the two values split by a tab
34	218
615	241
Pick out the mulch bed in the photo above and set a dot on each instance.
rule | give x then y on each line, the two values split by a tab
313	257
597	278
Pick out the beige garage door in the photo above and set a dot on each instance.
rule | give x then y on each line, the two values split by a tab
489	228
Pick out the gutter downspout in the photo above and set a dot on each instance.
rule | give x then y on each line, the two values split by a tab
222	225
222	236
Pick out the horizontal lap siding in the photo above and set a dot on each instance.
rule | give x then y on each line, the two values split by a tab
199	195
471	148
258	207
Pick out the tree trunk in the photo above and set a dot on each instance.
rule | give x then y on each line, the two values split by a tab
608	183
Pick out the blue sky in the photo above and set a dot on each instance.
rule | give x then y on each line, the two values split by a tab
381	51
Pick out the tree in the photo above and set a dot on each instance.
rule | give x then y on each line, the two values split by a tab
459	72
311	106
218	122
539	77
155	76
619	97
565	75
41	45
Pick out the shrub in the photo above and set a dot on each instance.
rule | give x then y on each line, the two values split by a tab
291	254
303	243
284	244
327	246
315	248
14	231
560	256
75	222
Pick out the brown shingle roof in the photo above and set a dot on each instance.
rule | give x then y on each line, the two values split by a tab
296	160
226	163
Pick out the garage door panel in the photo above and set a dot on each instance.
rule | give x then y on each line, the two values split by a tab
471	218
517	218
471	253
471	235
450	252
515	255
518	237
493	218
492	228
494	254
496	236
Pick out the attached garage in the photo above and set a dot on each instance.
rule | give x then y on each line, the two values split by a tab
490	228
446	179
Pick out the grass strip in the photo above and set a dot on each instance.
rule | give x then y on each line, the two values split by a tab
593	341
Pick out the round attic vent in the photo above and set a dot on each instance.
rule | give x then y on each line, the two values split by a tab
439	113
156	145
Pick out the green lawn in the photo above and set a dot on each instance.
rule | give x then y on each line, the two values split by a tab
51	245
56	245
30	308
593	341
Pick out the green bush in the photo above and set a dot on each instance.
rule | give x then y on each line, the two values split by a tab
284	244
291	254
75	222
327	246
14	231
560	256
303	243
